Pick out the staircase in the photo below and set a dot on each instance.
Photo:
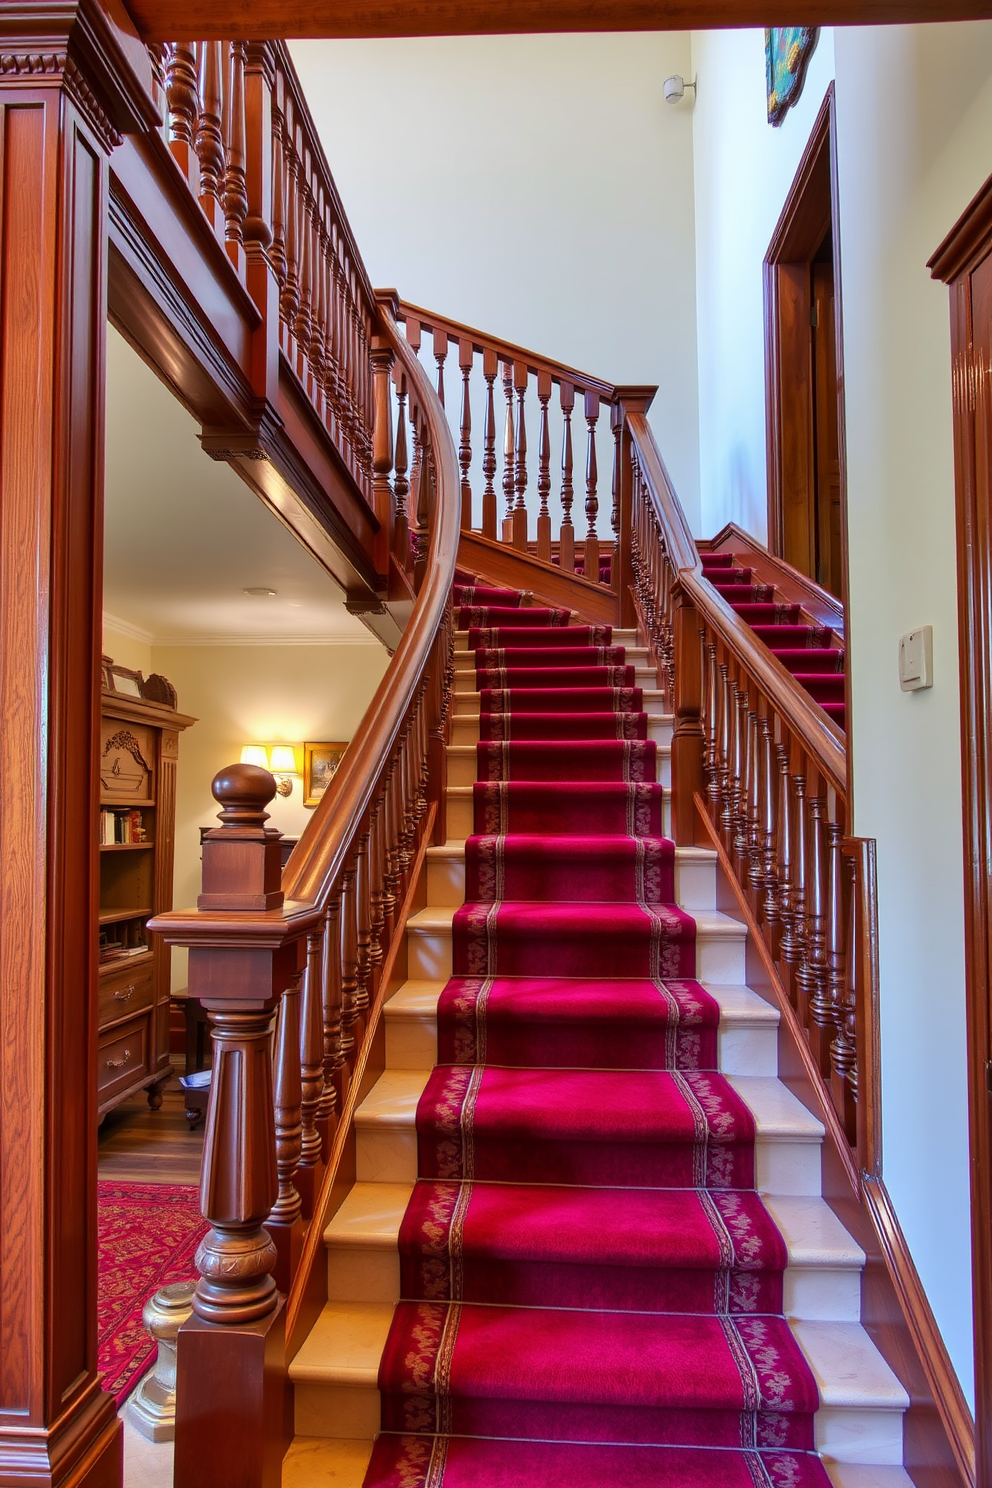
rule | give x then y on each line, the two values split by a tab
813	653
587	1243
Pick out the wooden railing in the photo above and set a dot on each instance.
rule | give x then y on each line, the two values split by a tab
290	971
533	435
765	771
238	126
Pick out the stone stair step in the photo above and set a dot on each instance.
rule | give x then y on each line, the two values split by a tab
325	1462
861	1401
334	1374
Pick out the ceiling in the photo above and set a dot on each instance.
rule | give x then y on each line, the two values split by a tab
184	536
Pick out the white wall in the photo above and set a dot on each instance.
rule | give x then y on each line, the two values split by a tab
743	170
914	115
537	187
247	694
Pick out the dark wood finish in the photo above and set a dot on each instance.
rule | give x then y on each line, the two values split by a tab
72	81
821	607
964	262
804	368
159	19
548	583
894	1307
137	1145
138	878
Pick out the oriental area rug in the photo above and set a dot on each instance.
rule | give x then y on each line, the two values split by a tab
592	1289
148	1234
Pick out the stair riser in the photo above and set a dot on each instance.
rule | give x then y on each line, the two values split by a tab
460	822
718	958
868	1435
463	769
465	681
466	704
411	1044
372	1274
465	729
617	638
695	882
635	656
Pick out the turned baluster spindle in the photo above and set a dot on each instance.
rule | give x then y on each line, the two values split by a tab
752	857
845	1049
401	485
235	185
784	852
520	380
767	875
289	300
311	1164
490	513
440	339
425	498
377	852
509	454
544	468
466	356
728	753
277	248
209	140
349	957
834	955
285	1223
739	778
317	312
714	702
592	497
566	546
330	1016
182	98
302	324
390	874
364	917
812	974
794	949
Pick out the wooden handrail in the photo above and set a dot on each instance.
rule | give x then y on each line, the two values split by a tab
316	860
822	607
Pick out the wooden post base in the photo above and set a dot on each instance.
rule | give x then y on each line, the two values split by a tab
233	1404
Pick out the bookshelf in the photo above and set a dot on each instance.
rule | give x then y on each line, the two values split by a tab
139	753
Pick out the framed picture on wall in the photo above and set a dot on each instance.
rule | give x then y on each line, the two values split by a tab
320	762
787	53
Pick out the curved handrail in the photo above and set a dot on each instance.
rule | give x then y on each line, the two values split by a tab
319	855
804	717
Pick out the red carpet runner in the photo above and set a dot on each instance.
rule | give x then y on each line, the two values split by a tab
812	653
148	1234
592	1289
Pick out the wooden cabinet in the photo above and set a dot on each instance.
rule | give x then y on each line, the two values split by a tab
139	751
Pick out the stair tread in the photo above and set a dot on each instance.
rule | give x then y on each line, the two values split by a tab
325	1462
848	1368
455	848
437	918
813	1233
345	1344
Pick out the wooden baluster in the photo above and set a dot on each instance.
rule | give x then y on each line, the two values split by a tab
364	922
466	356
349	958
490	367
318	355
544	469
592	499
440	339
277	250
767	872
330	985
235	187
209	140
401	486
738	778
289	300
423	488
377	851
566	546
752	865
793	946
382	452
727	753
311	1053
841	1056
302	325
182	97
391	876
285	1223
520	378
784	854
844	1051
509	458
714	704
812	974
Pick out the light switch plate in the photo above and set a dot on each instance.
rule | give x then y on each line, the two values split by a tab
916	659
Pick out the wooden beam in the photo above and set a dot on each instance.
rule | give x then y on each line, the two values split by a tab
167	19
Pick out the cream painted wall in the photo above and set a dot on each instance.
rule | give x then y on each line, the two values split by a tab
743	170
535	186
243	694
126	650
914	113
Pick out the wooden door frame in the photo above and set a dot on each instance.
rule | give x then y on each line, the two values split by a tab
967	246
788	302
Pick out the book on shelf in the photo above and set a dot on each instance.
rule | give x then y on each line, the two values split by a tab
121	826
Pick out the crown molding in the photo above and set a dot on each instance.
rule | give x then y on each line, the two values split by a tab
125	628
251	640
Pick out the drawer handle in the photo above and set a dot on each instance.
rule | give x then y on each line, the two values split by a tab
124	994
119	1063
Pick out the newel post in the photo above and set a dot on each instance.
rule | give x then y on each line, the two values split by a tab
247	950
688	743
629	400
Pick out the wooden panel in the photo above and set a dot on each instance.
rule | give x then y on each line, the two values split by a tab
162	19
504	566
125	993
122	1058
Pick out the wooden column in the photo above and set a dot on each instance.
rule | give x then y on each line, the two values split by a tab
687	740
71	83
247	949
629	400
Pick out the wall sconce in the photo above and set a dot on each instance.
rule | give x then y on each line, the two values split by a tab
279	758
674	89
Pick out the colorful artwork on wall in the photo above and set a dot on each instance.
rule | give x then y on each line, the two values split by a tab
787	53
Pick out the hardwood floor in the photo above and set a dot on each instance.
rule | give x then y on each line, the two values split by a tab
137	1145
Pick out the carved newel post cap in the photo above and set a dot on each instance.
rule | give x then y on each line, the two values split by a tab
152	1408
243	791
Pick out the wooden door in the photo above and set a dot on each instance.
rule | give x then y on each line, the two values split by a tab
825	518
